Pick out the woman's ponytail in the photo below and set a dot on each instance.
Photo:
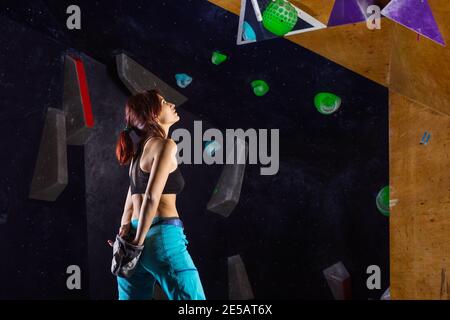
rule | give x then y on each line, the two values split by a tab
124	147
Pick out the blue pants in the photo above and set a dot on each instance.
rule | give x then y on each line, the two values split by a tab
165	259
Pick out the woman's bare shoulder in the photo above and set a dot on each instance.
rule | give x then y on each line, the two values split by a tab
163	149
159	146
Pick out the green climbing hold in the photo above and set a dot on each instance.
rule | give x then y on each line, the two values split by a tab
383	201
327	103
260	87
217	57
279	17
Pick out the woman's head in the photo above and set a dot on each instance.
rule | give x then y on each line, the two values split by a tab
149	115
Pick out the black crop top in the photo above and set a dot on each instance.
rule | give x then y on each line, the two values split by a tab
139	179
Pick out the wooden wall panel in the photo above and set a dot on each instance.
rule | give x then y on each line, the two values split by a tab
420	67
420	182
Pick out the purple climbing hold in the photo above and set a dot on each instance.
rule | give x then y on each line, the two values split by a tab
415	15
349	11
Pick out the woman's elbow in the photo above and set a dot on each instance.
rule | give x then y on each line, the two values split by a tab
151	198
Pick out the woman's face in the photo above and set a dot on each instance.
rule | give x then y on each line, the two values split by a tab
168	113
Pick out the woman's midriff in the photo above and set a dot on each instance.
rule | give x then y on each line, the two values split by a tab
166	207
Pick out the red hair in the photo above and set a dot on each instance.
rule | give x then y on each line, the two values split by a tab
141	111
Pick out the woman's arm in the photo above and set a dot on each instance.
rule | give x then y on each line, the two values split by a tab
127	210
162	163
125	223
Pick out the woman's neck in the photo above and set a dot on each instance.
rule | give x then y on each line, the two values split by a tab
166	131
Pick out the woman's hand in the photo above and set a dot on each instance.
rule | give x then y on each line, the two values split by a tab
135	242
123	232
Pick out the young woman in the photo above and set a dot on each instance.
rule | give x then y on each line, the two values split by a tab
150	216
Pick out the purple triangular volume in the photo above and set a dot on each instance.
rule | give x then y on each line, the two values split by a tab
415	15
348	11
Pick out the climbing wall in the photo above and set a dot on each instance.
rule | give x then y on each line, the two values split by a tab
419	67
414	69
352	45
272	214
420	222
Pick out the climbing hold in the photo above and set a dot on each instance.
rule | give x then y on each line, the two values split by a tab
415	15
279	17
348	11
327	103
229	185
183	80
217	57
249	34
393	202
211	147
387	294
260	87
425	138
239	287
50	176
382	201
339	281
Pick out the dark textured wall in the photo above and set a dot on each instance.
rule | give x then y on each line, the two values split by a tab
318	209
105	182
39	240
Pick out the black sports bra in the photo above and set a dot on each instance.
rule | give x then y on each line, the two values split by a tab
139	179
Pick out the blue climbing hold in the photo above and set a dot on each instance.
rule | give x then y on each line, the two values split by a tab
211	147
249	34
183	80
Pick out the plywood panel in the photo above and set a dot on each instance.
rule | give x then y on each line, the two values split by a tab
353	46
319	9
233	6
420	181
419	66
364	51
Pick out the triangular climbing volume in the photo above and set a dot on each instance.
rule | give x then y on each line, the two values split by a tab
415	15
268	19
349	11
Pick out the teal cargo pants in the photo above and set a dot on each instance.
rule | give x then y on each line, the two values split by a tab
165	260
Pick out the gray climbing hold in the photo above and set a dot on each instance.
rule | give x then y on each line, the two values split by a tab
77	129
50	172
387	294
136	78
227	191
338	280
239	287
